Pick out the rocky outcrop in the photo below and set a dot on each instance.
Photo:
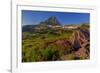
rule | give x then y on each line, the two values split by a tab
53	21
80	43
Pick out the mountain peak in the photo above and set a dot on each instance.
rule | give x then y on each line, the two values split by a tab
53	21
52	18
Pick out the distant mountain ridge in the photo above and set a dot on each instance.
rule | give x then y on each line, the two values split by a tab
51	21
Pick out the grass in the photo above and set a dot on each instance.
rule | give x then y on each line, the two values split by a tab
35	45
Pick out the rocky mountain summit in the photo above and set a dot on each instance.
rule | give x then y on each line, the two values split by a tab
53	21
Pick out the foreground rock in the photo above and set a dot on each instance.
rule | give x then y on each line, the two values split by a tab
81	44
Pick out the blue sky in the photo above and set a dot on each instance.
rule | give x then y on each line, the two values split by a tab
35	17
